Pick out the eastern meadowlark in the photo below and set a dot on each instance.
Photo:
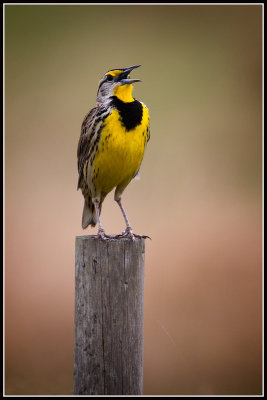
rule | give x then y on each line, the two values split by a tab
113	138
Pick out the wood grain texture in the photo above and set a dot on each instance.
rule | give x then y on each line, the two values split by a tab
109	303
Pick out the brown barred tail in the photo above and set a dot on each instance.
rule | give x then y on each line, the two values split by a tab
89	214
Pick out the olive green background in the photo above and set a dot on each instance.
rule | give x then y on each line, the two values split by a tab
199	196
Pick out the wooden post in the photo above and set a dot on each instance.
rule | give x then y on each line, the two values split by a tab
109	303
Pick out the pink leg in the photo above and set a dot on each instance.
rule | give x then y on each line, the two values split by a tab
101	233
128	231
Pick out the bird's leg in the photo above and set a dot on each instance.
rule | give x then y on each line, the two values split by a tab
101	233
128	231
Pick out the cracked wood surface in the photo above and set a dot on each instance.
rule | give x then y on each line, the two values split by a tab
109	301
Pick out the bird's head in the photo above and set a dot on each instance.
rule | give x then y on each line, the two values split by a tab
117	82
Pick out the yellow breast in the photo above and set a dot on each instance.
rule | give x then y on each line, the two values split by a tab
120	152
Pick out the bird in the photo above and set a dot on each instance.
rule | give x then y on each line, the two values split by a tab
113	138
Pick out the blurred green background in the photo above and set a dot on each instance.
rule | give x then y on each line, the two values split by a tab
199	196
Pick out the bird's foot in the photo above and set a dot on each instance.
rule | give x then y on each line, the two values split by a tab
128	233
102	235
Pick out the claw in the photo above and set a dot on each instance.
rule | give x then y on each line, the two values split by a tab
102	235
129	233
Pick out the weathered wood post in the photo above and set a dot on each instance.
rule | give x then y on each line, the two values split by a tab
109	299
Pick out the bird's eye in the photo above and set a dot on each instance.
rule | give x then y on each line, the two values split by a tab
109	78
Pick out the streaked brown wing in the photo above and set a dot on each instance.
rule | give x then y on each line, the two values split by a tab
90	133
85	141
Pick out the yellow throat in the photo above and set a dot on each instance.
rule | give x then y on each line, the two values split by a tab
124	93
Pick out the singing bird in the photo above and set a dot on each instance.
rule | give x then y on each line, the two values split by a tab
111	147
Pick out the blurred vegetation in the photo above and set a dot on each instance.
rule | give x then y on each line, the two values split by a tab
199	196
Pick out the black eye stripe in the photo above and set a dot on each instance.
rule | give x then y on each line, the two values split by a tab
108	78
104	80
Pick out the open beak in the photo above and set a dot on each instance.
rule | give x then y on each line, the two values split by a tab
123	78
